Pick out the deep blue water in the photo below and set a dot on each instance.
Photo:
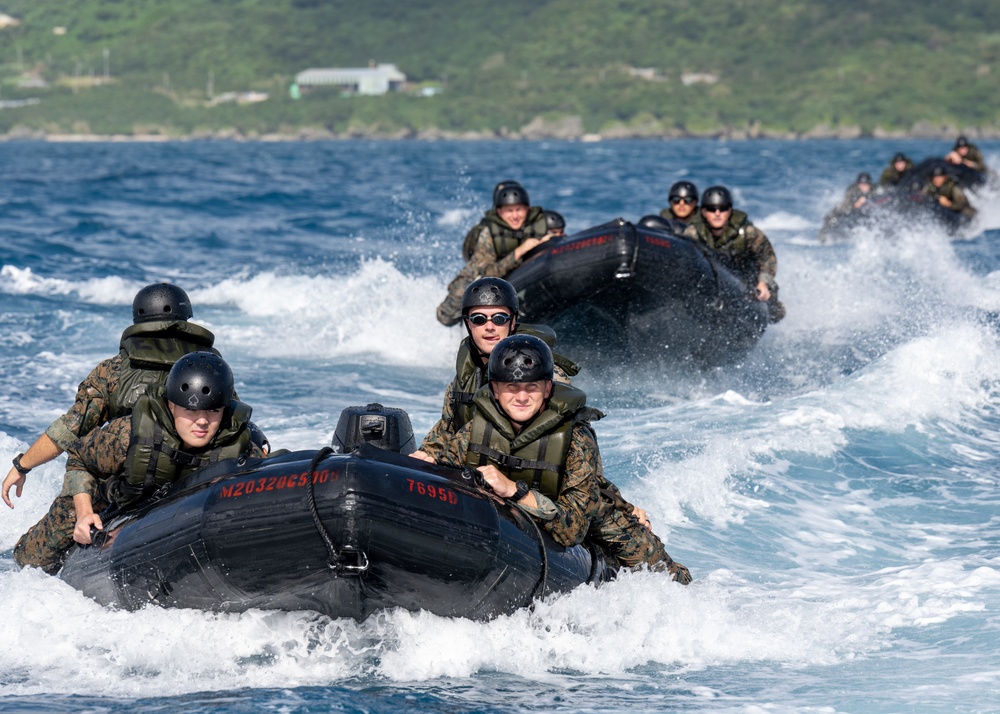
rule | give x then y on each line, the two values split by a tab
834	494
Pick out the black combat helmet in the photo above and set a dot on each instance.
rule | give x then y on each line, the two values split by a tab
200	380
509	183
161	301
490	292
683	189
520	358
554	220
510	194
864	177
657	223
960	142
717	197
939	171
900	156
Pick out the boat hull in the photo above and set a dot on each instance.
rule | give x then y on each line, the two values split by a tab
622	290
398	533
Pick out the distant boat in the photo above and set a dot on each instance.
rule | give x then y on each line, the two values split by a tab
889	210
623	291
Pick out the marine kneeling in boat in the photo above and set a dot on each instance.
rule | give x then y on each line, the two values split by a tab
173	430
497	244
489	309
532	441
966	153
948	193
160	333
742	247
683	208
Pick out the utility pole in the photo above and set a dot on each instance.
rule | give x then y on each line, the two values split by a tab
107	64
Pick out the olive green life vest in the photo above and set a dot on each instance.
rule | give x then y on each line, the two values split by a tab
732	246
733	238
470	372
505	238
536	454
150	350
156	455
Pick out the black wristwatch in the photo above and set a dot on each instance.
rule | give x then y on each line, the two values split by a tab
521	492
17	465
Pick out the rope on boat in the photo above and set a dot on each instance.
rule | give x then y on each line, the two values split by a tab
336	561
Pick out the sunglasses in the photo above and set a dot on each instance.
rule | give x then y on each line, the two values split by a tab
479	319
716	209
686	199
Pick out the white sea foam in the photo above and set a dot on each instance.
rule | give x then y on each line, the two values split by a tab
111	290
639	619
376	311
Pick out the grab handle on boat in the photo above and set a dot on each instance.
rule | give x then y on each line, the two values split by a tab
350	560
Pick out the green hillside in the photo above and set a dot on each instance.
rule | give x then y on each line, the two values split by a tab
558	67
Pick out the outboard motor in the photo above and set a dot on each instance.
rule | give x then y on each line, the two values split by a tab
384	427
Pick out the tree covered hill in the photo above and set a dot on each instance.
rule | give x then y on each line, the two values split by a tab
618	67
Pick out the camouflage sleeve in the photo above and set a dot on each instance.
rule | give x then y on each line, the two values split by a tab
560	375
97	457
567	519
763	253
959	201
449	312
434	443
456	447
485	260
976	157
693	231
90	409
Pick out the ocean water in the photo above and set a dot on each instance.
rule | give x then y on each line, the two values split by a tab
834	493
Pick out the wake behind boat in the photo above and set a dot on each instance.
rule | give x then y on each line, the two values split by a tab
343	534
624	290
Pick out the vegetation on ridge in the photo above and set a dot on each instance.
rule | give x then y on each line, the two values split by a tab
627	66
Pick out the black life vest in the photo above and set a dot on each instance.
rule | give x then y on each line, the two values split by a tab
150	350
470	372
156	454
505	238
536	454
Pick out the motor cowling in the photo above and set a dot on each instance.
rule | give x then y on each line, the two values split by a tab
384	427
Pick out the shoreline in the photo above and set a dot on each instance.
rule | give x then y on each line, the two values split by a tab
528	133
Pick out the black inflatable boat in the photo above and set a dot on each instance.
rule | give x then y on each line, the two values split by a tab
624	290
343	534
904	206
891	213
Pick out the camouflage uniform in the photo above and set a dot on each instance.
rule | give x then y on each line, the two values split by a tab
976	157
93	461
147	350
450	422
954	193
487	260
568	517
745	250
623	539
584	493
891	177
850	198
